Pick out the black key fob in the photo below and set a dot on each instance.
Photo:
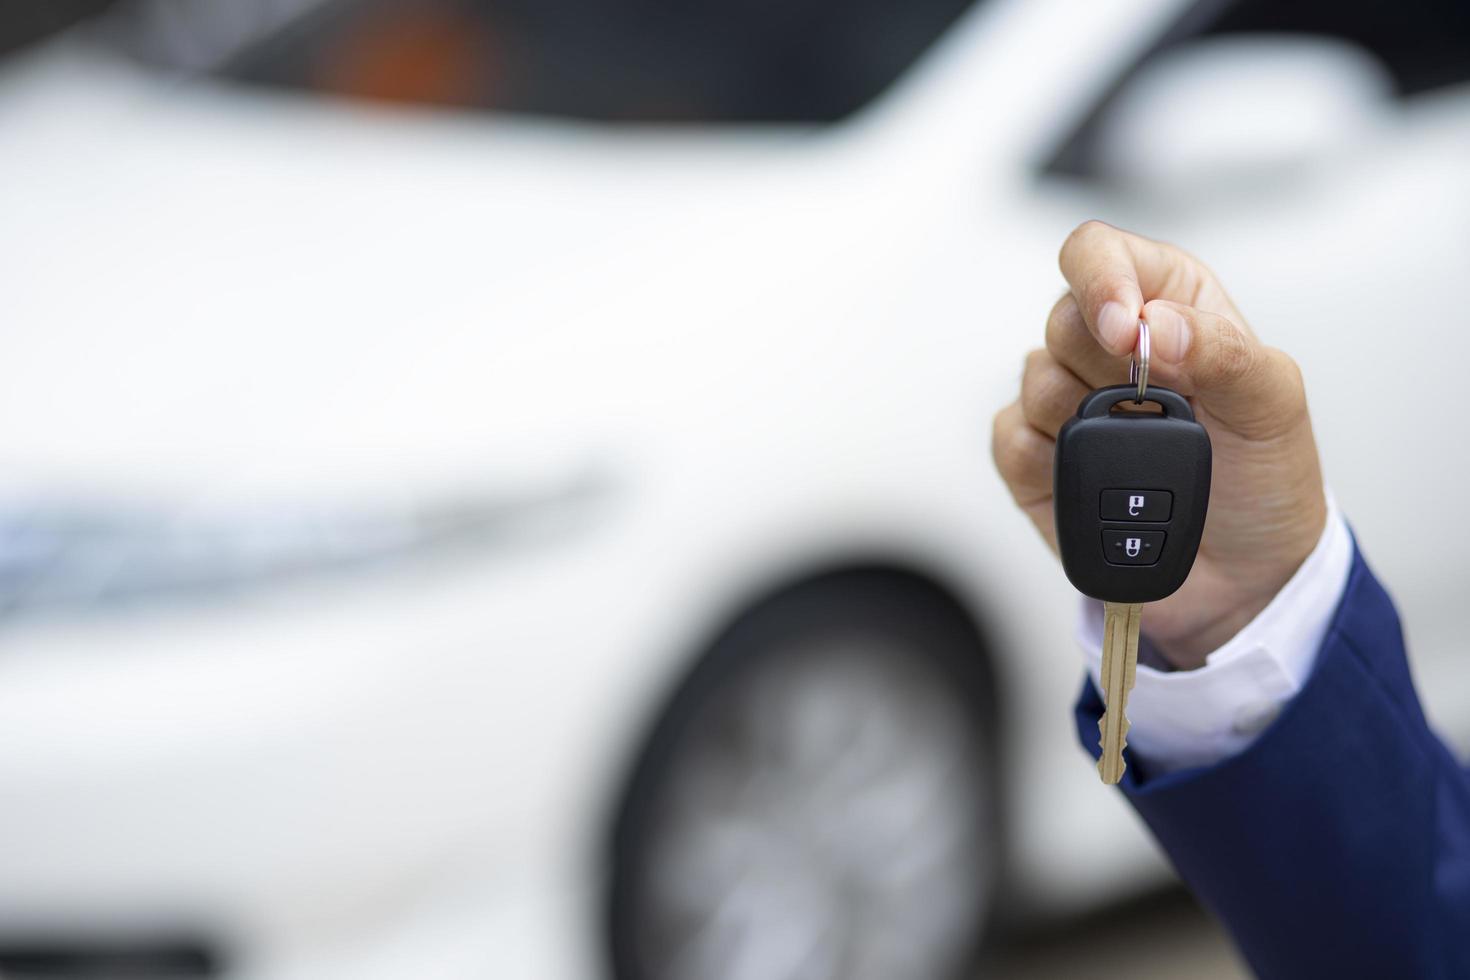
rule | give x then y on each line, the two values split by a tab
1130	491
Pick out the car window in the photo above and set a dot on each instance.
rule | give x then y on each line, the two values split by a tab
634	60
1423	44
22	24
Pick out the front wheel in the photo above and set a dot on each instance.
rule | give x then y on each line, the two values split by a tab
819	800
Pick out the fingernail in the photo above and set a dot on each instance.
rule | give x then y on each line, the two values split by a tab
1115	325
1168	334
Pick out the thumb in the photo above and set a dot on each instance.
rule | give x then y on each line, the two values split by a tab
1250	388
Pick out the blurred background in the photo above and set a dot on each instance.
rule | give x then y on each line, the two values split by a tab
496	488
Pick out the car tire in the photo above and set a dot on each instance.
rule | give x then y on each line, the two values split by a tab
818	800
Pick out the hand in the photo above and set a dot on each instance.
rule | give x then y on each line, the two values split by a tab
1267	508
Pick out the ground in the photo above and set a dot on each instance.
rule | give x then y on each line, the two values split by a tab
1161	937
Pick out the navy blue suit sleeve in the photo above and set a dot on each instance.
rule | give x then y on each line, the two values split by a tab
1338	844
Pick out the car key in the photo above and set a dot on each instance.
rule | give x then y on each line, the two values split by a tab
1130	492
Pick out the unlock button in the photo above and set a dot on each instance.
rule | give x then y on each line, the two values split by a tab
1132	547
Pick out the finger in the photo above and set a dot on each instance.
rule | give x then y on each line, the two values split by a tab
1050	393
1024	458
1250	388
1111	271
1074	347
1023	455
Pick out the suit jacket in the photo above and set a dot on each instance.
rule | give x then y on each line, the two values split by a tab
1338	844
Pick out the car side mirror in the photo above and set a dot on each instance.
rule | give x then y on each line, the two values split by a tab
1238	110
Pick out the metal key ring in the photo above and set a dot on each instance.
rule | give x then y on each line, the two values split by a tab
1138	365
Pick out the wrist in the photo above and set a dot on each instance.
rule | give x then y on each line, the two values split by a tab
1227	597
1190	649
1185	719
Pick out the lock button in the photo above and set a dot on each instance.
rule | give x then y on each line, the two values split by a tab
1132	547
1136	505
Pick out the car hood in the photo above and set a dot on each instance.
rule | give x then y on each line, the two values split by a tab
200	278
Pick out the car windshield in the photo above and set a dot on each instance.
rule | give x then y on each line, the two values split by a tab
806	61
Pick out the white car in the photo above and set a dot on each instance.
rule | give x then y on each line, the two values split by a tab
447	543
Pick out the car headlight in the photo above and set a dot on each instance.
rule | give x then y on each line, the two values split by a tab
59	555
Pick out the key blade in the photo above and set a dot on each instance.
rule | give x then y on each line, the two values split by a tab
1121	623
1110	765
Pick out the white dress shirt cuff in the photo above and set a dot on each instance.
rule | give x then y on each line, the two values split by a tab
1189	718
